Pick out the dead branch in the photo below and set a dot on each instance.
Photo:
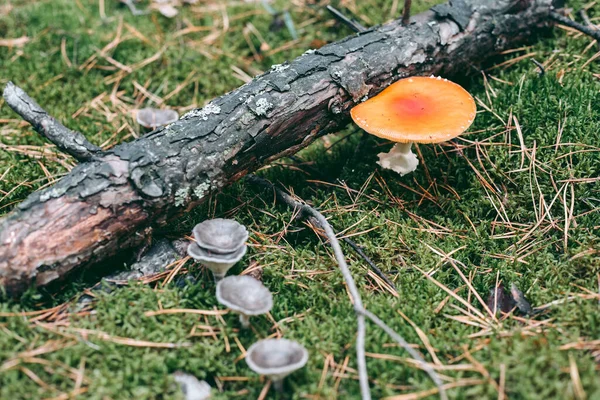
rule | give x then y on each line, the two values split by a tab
111	202
71	142
587	30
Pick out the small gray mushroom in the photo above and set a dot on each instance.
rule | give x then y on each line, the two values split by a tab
152	118
245	295
276	358
220	243
219	264
192	388
220	235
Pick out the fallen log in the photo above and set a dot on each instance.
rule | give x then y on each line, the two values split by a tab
112	200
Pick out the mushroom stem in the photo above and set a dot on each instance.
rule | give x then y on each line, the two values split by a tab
399	159
245	320
218	276
278	385
404	148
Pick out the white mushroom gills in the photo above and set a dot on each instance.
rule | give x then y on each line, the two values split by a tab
276	359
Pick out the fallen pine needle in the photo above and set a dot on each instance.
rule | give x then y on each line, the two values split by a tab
432	391
185	311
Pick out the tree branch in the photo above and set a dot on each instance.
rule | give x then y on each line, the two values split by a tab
112	202
587	30
71	142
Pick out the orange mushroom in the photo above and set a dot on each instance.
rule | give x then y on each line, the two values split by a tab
418	109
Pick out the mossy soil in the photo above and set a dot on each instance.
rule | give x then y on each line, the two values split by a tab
516	200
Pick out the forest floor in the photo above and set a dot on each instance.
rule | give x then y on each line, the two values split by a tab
516	200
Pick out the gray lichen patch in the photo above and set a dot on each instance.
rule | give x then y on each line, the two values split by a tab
279	67
201	190
418	57
181	196
204	112
263	106
56	191
169	132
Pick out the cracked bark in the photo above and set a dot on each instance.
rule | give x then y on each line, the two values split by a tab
111	202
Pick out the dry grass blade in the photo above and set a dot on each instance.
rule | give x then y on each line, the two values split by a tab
48	347
431	392
577	386
423	338
452	294
17	42
128	341
185	311
463	277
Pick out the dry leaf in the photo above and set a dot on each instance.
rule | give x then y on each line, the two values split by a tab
499	300
522	303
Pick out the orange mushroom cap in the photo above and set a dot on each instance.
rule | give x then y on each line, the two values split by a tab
418	109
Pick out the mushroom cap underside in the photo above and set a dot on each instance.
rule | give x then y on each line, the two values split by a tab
276	356
244	294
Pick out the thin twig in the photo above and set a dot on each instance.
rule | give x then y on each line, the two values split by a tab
349	241
404	344
406	12
349	22
363	376
539	65
586	18
71	142
593	33
307	211
371	264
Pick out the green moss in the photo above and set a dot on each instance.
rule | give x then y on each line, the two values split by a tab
485	223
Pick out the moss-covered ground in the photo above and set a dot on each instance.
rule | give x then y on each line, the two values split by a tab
514	201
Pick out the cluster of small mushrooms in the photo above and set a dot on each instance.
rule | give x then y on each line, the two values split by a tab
412	110
219	244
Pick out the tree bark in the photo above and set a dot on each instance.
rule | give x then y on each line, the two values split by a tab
111	202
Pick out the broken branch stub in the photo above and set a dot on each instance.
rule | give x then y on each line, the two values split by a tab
111	202
71	142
